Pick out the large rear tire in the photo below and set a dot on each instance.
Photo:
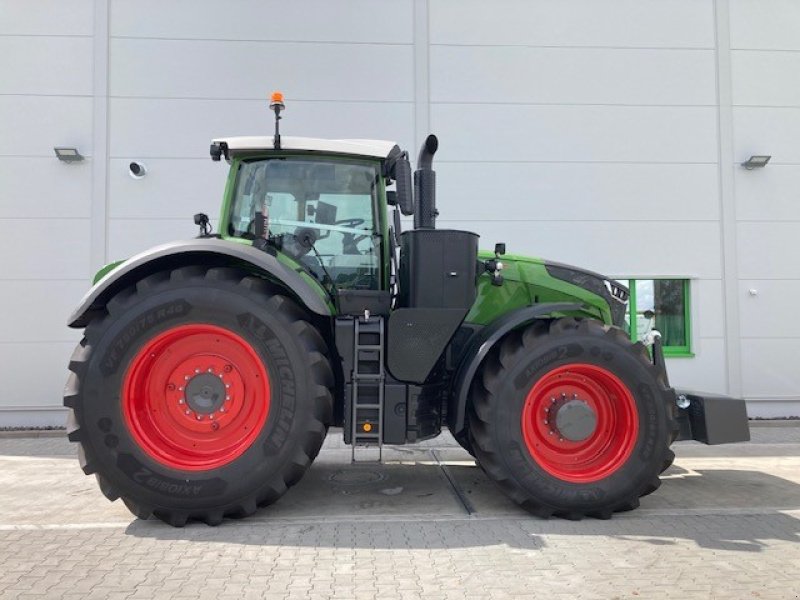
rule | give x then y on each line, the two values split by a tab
202	393
571	419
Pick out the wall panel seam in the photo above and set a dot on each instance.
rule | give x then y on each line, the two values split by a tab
727	198
100	137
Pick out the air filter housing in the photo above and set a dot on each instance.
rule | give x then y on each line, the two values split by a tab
438	268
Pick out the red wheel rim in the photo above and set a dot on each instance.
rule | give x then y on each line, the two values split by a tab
195	397
606	448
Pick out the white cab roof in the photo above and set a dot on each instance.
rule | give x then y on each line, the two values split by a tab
376	148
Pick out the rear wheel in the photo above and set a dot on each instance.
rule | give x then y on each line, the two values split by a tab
571	419
203	393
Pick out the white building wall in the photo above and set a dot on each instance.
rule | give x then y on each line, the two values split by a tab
765	58
581	130
184	72
45	101
596	124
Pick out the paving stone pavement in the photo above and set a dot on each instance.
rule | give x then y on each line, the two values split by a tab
427	524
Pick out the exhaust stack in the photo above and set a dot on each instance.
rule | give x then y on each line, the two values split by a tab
425	186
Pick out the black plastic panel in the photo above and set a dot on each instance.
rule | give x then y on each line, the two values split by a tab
416	338
394	413
438	268
355	302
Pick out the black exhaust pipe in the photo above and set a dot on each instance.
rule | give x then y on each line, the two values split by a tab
425	186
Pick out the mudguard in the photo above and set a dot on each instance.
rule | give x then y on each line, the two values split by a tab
480	347
201	251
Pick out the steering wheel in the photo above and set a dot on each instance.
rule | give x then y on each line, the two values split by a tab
350	241
352	223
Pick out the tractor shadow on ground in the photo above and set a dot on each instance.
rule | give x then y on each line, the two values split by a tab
431	505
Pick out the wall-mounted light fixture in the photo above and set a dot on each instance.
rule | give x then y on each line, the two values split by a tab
756	162
68	155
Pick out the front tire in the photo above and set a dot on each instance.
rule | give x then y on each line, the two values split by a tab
201	394
571	419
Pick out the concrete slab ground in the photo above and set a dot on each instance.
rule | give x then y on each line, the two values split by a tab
426	524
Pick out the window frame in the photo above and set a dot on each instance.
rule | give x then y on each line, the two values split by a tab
380	219
684	351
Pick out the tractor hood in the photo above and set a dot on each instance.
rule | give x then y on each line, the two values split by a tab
529	280
612	291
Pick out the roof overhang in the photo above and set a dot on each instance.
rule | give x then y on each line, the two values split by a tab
253	144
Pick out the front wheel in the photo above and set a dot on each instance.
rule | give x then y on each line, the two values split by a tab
202	393
571	419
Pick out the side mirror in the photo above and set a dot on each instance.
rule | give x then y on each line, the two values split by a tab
404	185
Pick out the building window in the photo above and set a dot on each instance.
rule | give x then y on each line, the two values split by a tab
663	305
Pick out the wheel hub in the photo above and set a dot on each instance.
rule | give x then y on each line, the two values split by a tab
575	420
205	393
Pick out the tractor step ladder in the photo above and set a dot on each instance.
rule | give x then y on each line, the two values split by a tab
367	399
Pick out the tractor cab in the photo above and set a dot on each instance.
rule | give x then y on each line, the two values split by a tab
322	211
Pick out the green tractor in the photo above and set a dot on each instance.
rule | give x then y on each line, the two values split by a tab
211	369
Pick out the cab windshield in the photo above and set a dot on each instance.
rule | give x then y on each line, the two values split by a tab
320	212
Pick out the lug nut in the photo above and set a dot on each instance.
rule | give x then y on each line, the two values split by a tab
186	378
188	412
181	401
199	417
221	409
197	370
227	398
180	388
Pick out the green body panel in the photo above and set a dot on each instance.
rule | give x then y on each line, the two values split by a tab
527	282
106	270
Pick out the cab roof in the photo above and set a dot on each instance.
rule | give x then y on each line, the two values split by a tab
248	144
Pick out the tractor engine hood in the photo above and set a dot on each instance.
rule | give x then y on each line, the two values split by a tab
609	289
550	281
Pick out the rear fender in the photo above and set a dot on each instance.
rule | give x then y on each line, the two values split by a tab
201	251
480	347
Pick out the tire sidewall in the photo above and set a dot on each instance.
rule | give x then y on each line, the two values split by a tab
134	472
652	438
